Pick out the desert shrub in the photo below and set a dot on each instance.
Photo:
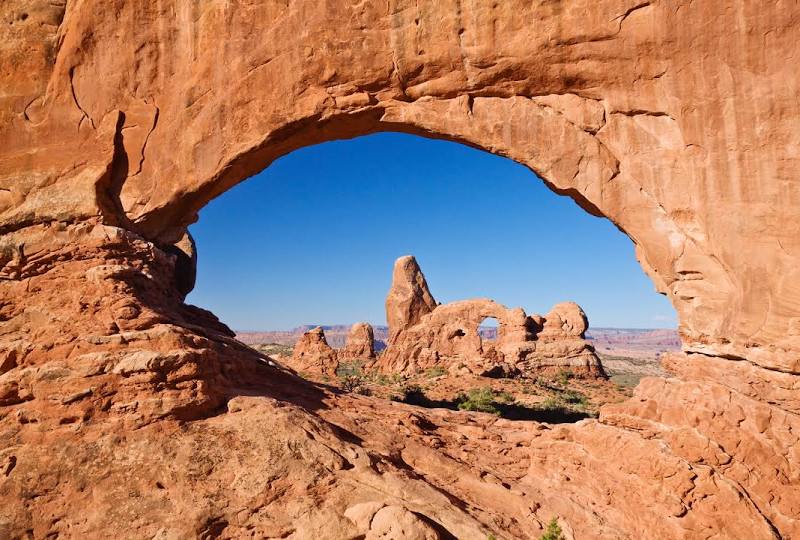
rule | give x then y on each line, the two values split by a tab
355	383
504	397
410	393
388	380
478	400
350	369
549	404
563	377
553	531
381	379
436	371
574	398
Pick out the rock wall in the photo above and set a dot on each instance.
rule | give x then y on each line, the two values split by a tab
121	119
424	334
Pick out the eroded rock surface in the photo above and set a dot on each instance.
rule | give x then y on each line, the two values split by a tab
312	354
360	344
126	413
425	335
409	298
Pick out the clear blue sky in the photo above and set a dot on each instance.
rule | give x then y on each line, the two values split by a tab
312	239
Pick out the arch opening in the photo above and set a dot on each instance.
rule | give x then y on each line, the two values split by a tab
327	207
489	329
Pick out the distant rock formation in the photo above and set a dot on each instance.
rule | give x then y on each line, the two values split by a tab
360	343
423	334
409	298
312	354
561	343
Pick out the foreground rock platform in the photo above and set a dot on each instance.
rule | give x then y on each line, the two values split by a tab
126	413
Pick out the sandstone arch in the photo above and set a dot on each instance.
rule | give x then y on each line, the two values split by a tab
571	102
426	334
676	120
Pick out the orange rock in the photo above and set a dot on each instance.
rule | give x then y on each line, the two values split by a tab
121	119
409	298
448	335
312	354
360	343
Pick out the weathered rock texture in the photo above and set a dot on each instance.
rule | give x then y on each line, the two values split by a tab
409	299
360	343
312	354
424	334
121	119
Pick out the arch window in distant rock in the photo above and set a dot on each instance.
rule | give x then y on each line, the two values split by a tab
489	329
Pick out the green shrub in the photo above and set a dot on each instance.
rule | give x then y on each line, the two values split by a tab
550	404
504	397
412	394
436	371
348	369
563	377
553	531
355	383
574	398
478	400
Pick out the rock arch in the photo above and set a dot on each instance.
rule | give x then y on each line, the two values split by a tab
598	104
677	120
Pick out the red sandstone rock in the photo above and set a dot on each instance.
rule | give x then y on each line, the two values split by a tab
360	343
123	412
448	335
409	298
312	354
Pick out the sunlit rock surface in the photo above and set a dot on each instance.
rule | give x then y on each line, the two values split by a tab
125	413
425	335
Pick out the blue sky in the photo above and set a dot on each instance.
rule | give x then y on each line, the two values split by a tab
312	239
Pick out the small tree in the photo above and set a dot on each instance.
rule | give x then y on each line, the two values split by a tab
553	531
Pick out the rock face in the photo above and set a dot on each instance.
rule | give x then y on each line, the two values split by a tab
312	354
125	412
426	335
560	343
360	343
409	298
